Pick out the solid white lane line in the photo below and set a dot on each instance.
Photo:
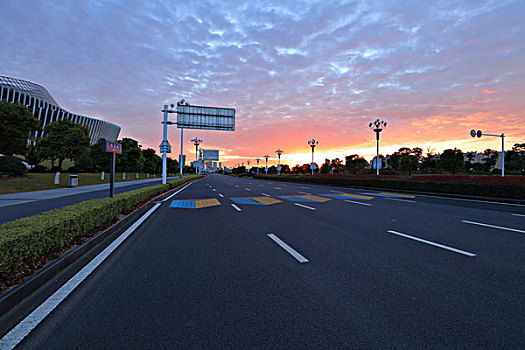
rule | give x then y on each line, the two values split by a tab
400	200
17	334
289	249
236	207
518	214
220	195
176	192
278	188
247	189
349	201
471	200
304	206
493	226
264	194
304	193
433	243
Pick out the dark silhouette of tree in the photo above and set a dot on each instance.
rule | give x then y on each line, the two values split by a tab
451	160
354	163
63	140
17	124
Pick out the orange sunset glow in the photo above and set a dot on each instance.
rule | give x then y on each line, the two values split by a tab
293	71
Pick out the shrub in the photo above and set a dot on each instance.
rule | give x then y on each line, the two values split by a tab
12	166
485	186
24	240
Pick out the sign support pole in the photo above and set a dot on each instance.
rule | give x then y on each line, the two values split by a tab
164	140
181	143
112	174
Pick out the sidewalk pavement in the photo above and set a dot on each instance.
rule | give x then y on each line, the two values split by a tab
7	200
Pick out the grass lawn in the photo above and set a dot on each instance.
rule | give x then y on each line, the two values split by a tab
37	182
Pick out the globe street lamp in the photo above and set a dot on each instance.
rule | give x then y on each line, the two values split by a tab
257	160
196	141
312	144
377	126
279	152
266	169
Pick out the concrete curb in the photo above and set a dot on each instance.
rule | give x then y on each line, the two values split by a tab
16	294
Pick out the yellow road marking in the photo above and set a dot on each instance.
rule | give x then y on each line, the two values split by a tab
354	196
203	203
398	195
315	198
266	200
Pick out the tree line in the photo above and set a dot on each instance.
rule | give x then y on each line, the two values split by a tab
63	140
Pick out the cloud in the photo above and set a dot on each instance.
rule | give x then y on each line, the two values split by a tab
293	70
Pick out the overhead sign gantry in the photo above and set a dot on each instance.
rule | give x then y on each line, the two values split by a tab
194	117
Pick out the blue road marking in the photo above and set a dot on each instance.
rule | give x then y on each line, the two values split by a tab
183	204
298	199
245	201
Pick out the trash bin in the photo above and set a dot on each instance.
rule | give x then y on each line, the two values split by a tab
73	181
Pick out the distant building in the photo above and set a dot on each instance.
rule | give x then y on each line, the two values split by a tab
46	109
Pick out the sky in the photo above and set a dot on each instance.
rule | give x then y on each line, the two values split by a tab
293	70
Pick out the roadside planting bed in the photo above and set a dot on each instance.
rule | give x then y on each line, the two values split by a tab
509	187
27	243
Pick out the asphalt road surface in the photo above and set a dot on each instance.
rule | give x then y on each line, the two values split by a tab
13	212
242	263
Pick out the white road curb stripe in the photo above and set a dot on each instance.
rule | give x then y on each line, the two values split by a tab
433	243
176	192
17	334
493	226
289	249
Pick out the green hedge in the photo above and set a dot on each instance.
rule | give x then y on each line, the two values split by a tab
509	191
24	240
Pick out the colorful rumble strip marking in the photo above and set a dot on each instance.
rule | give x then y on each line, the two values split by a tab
255	200
194	203
306	198
346	196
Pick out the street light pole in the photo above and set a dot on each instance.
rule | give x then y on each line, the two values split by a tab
312	144
377	126
279	152
266	169
196	141
257	159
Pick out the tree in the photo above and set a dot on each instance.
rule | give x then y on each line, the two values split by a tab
491	157
94	158
354	163
408	163
451	160
337	165
470	157
17	124
152	162
64	140
33	157
515	158
428	161
131	156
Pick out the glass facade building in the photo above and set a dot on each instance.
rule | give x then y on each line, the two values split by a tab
46	109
